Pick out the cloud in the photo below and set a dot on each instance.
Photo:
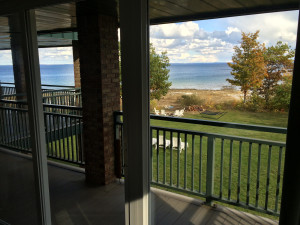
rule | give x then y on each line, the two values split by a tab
273	26
187	42
199	42
187	30
5	57
60	55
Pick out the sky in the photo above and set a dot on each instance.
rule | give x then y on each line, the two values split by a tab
199	41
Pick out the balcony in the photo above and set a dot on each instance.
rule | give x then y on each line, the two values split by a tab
73	202
212	167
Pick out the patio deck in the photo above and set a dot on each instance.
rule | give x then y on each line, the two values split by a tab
75	203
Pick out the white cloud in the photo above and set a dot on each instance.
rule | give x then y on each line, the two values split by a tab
5	57
188	30
60	55
273	26
189	42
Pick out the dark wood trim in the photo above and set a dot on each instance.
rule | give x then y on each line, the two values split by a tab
224	13
290	203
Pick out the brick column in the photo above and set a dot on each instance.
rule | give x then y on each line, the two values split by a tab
100	85
76	63
17	57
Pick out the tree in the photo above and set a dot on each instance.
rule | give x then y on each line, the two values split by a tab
159	74
278	60
247	65
282	94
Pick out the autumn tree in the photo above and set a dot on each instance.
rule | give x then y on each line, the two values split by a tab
159	74
278	61
248	68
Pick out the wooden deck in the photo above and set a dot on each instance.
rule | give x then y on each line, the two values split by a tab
75	203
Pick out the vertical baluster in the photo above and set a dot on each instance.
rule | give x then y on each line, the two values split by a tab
268	177
5	116
81	141
76	140
171	159
157	156
61	137
178	158
185	161
68	141
193	159
249	173
258	175
23	130
278	179
51	134
239	172
200	164
210	169
164	169
27	131
71	139
221	168
19	137
230	170
64	136
10	126
122	151
2	127
56	136
151	154
46	133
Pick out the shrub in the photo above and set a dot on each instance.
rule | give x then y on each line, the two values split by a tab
189	100
153	104
282	95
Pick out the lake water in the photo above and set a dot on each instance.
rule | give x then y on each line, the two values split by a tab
183	76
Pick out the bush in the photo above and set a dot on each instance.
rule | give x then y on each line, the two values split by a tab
189	100
282	95
153	104
228	105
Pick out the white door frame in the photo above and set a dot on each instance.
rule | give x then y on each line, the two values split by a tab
134	30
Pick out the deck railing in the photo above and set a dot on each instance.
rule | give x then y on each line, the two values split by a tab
241	171
63	129
52	94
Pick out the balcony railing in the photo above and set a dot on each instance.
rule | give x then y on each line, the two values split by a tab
63	129
61	95
240	171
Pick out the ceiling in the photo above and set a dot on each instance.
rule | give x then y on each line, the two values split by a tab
61	18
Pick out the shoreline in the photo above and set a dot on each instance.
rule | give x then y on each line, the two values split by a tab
211	97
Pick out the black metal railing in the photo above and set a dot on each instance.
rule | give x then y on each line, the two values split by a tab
241	171
63	130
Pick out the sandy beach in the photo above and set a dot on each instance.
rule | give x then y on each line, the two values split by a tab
210	96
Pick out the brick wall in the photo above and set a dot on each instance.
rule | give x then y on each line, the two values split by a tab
76	63
100	85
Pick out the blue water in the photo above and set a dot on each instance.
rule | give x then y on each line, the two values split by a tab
190	76
210	76
50	74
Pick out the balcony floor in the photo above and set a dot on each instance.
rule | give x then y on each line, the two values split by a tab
75	203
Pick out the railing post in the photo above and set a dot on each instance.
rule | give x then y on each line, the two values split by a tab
210	169
118	147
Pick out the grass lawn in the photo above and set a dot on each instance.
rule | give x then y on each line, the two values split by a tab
189	172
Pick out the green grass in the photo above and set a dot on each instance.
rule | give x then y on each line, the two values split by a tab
65	148
189	161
